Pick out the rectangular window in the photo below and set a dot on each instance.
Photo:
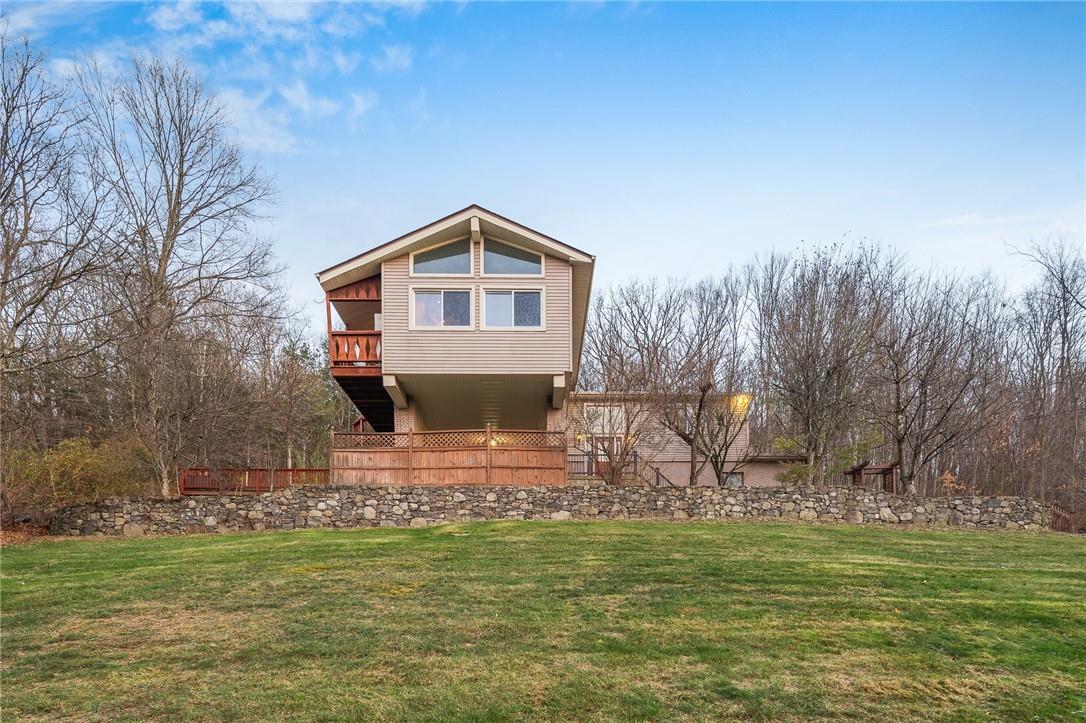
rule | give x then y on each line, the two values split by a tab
443	308
501	259
513	309
605	419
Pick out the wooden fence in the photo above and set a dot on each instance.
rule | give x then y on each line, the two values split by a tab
209	481
1062	520
451	457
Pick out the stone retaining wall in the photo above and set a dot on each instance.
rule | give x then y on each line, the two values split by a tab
311	507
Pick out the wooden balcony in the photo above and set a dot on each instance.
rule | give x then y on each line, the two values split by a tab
450	457
354	353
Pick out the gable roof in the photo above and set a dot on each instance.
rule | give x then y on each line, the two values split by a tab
476	221
452	226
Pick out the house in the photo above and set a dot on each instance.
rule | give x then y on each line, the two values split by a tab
468	326
460	344
606	429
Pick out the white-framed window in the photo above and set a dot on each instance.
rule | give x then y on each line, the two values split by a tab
516	309
733	479
501	258
452	258
442	308
605	419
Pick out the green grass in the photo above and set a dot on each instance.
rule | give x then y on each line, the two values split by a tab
549	621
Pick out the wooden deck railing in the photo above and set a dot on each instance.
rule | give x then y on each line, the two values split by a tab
463	456
1062	520
234	481
354	348
458	438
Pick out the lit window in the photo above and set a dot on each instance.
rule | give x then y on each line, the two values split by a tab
502	259
443	308
454	258
520	309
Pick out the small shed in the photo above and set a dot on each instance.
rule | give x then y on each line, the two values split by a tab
875	476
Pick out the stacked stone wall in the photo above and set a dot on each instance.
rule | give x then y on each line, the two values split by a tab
351	506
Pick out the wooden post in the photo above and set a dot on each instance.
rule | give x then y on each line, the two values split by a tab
485	442
411	455
328	320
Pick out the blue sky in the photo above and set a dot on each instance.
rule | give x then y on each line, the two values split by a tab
667	139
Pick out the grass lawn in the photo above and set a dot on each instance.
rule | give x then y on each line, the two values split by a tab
549	621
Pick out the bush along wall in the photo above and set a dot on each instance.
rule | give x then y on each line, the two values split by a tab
343	507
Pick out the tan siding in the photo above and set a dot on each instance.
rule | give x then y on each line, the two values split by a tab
657	443
763	474
476	351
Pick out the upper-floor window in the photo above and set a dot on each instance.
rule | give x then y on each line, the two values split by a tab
519	309
605	419
441	308
448	259
502	259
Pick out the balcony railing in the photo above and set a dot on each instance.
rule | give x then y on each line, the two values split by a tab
354	349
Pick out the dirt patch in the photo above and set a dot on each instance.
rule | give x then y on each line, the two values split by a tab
23	533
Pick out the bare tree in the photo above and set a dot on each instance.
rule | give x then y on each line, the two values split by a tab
50	219
813	327
707	400
185	198
127	257
935	345
1049	377
630	342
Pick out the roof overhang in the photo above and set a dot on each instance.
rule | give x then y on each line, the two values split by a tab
456	225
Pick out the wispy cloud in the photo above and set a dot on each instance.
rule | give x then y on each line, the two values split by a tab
977	220
170	17
345	62
286	11
258	127
1055	222
362	103
244	48
35	18
394	58
297	96
418	109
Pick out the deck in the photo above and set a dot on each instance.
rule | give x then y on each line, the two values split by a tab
451	457
354	353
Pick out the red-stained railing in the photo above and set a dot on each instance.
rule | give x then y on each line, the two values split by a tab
209	481
354	348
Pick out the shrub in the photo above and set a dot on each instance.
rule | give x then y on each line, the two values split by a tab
75	470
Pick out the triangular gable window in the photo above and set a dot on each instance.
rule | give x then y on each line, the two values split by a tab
502	259
451	258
